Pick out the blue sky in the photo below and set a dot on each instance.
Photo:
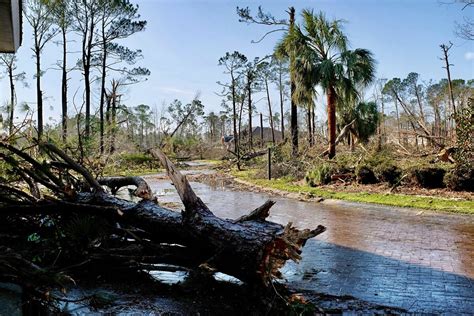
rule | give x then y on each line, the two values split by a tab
184	40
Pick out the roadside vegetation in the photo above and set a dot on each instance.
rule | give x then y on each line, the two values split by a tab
387	188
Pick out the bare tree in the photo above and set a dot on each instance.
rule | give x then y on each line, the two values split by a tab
465	29
39	16
445	48
233	63
86	16
117	21
9	62
61	10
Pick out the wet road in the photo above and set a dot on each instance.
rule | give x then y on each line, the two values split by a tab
419	261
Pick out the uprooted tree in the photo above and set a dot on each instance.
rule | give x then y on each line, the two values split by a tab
133	235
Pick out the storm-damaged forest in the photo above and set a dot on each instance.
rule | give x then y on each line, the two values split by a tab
274	159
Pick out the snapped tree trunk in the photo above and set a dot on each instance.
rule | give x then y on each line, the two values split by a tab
249	248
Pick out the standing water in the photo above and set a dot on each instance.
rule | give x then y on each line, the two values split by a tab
418	261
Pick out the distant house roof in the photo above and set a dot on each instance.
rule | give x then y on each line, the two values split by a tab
10	25
267	134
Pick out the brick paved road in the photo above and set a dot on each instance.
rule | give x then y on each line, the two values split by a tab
419	261
422	262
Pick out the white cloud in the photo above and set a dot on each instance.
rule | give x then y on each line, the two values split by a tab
469	56
172	90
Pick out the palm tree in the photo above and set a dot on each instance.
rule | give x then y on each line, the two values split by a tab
328	62
362	117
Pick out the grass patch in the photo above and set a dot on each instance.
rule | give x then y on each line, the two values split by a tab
399	200
132	173
209	161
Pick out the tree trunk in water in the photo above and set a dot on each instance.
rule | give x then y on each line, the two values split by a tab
64	89
331	100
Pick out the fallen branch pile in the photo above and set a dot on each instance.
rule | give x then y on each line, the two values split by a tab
74	225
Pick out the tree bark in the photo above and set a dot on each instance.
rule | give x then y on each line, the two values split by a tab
12	99
310	127
270	111
102	88
249	91
64	88
294	108
250	248
280	85
331	100
87	57
234	116
39	93
446	49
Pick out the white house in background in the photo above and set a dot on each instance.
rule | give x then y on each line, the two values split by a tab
10	25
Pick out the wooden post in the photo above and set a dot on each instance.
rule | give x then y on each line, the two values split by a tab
269	163
261	128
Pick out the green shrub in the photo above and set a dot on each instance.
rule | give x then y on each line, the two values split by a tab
388	173
136	158
320	175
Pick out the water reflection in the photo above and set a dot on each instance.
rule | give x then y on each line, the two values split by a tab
385	255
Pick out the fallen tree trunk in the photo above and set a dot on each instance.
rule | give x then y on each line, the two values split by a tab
251	248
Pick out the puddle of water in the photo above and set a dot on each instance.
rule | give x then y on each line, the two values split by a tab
168	277
389	256
226	278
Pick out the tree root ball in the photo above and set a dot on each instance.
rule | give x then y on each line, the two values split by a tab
460	179
365	175
429	177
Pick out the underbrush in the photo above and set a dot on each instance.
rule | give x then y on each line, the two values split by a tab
372	167
366	176
432	203
130	164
